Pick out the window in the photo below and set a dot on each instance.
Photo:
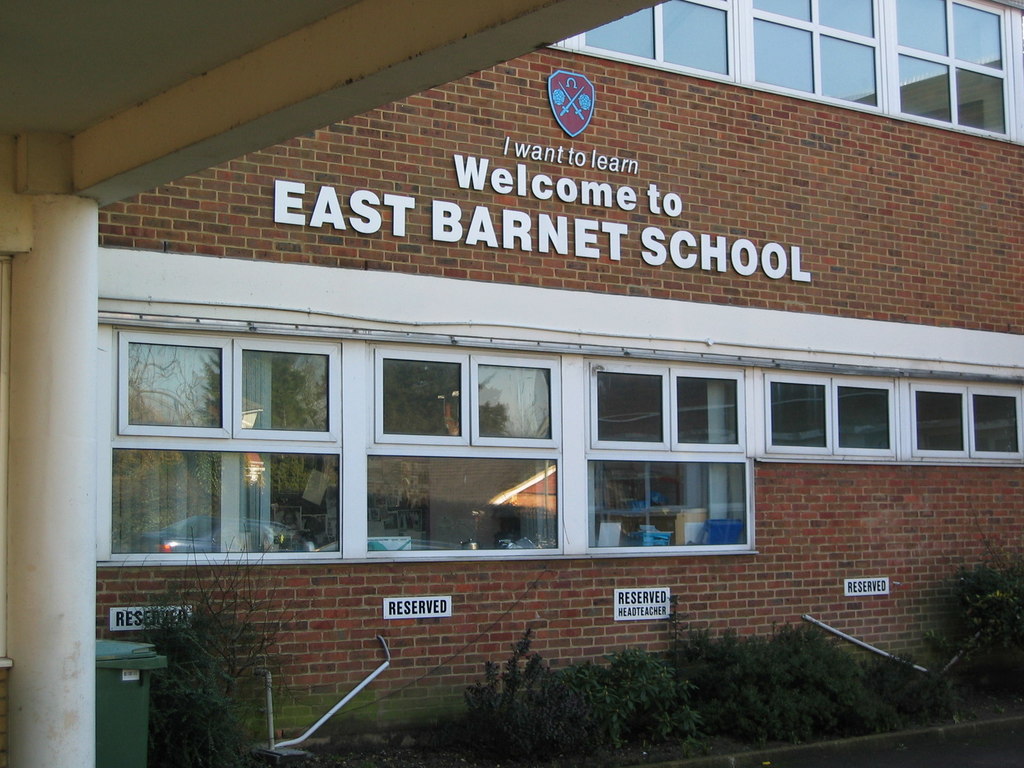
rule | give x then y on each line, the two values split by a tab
973	422
838	416
653	477
193	466
951	63
499	490
232	447
936	60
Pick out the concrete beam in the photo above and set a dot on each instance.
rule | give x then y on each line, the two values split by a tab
368	54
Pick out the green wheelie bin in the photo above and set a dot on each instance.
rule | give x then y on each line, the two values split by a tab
123	670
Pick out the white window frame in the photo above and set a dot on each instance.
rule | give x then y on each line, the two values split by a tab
333	355
962	391
1015	395
425	355
769	427
663	372
816	29
889	387
832	446
1011	62
554	401
738	378
126	338
741	55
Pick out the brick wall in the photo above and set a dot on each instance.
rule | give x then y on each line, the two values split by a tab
895	221
816	525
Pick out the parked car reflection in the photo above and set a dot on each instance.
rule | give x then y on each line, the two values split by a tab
203	533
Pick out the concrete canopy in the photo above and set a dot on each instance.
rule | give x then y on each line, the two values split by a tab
112	99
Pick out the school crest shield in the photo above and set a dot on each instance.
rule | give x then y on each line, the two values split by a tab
572	98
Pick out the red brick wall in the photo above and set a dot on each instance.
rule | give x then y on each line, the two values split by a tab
896	221
816	525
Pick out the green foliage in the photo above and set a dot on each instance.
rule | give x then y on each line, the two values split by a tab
637	697
525	711
797	685
193	723
991	599
199	705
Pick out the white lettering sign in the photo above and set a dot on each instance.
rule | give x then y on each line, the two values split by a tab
366	212
642	604
861	587
417	607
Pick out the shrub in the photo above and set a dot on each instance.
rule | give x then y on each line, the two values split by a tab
797	685
991	600
525	710
638	696
200	704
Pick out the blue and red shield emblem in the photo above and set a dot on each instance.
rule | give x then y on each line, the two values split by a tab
572	98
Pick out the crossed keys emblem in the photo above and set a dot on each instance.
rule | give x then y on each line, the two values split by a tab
571	97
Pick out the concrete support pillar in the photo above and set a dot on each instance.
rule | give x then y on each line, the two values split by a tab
51	563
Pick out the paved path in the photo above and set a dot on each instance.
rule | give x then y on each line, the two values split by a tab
987	744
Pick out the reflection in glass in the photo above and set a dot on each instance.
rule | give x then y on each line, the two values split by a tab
980	101
922	24
514	401
848	15
995	424
939	421
782	56
666	503
171	385
798	414
284	391
633	34
924	88
863	417
706	411
200	501
795	9
848	71
422	397
696	36
976	36
629	407
445	503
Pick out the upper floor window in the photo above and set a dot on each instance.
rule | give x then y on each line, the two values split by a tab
976	422
938	60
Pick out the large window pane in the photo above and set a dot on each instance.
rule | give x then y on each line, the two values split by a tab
696	36
796	9
980	101
847	15
171	385
848	71
422	397
995	424
798	414
924	88
706	411
284	391
438	503
175	502
633	34
514	401
666	503
782	56
629	407
863	417
922	24
939	421
976	36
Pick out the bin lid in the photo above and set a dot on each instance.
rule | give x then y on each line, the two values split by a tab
120	654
